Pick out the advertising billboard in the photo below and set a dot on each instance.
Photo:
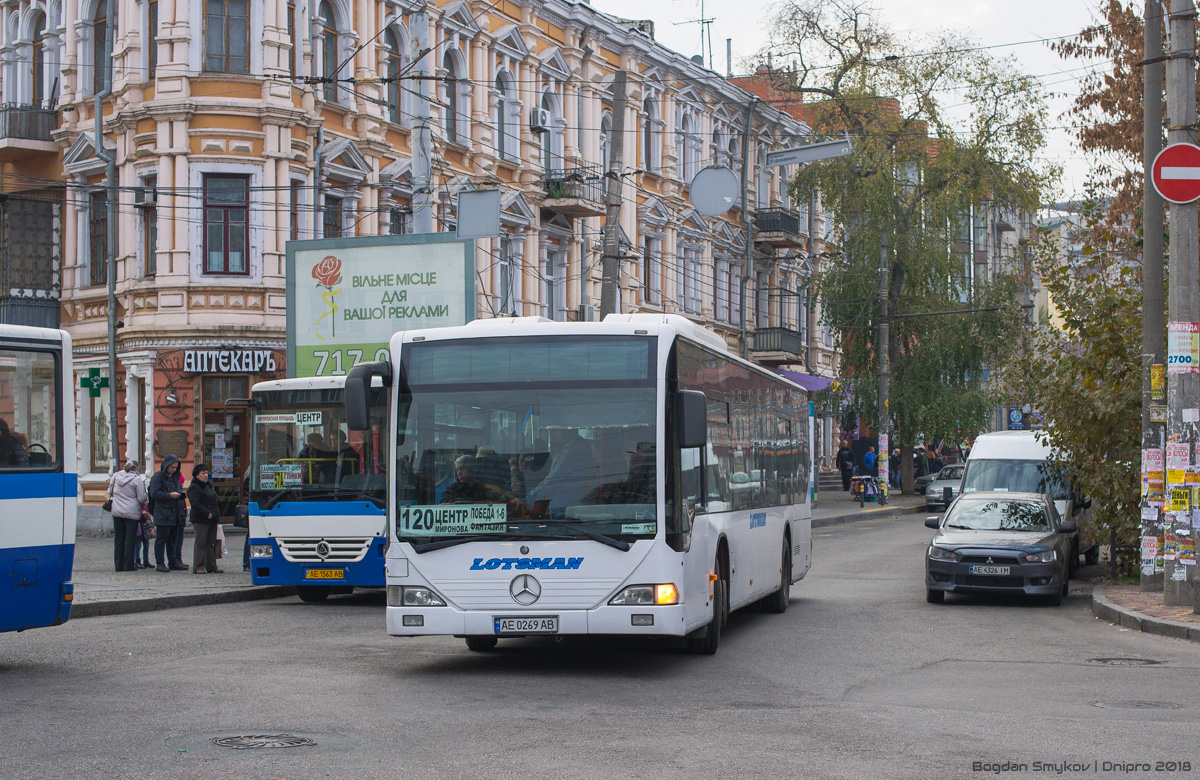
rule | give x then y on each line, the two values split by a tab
347	296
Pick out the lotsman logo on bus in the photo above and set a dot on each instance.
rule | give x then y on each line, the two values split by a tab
505	564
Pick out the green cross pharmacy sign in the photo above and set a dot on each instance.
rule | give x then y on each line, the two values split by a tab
93	382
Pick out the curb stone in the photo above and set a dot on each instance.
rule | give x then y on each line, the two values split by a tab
867	514
153	603
1127	618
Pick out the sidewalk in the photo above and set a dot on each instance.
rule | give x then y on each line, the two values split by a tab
1128	606
101	591
835	507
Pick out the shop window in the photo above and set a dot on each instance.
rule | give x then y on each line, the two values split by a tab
226	212
227	36
100	424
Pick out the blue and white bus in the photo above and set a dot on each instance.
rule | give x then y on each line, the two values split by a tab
623	477
38	484
317	489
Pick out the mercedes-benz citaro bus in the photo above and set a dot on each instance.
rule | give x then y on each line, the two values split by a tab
552	478
38	484
318	501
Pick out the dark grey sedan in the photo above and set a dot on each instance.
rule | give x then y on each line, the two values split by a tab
999	543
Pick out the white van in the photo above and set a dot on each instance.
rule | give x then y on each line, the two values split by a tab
1019	461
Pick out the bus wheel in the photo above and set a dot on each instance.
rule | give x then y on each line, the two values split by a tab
707	644
777	602
311	595
481	644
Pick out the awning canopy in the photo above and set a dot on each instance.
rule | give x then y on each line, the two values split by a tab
807	381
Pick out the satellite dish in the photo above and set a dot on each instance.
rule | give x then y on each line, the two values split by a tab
714	190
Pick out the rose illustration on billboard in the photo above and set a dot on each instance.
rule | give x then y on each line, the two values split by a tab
328	274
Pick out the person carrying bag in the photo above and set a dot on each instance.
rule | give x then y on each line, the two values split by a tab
126	493
205	515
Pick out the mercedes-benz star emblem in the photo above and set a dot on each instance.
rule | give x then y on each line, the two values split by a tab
322	549
525	589
524	549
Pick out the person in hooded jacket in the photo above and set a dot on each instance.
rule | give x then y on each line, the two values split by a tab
170	513
205	515
127	492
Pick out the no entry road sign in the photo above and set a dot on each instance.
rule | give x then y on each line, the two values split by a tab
1176	173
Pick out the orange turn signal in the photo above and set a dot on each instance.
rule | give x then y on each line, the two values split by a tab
666	594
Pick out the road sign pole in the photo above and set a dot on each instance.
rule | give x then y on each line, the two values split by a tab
1183	373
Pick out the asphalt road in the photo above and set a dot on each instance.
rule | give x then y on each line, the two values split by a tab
859	679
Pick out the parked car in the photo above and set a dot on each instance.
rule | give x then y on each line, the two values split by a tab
999	543
948	477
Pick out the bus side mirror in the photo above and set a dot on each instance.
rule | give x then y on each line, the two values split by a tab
691	418
229	430
358	393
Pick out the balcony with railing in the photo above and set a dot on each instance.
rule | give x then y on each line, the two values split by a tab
777	346
780	228
25	129
576	192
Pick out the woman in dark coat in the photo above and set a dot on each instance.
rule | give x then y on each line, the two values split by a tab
205	516
170	513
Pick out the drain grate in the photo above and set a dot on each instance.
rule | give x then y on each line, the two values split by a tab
1137	705
263	741
1124	661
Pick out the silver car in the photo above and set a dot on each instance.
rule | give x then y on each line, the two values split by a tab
948	477
999	543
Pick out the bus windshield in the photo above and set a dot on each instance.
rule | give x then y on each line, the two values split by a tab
304	450
536	438
1023	476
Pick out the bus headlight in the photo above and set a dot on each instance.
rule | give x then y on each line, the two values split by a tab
419	596
262	551
646	595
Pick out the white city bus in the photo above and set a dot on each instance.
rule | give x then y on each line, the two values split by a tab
624	477
38	484
317	489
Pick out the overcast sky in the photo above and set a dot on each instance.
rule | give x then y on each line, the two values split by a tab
989	22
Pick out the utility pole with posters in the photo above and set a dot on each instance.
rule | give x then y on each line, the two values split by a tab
1183	329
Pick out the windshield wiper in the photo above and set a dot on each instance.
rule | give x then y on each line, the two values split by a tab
963	527
623	546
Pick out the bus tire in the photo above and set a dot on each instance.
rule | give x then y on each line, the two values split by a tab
312	594
777	602
481	644
708	644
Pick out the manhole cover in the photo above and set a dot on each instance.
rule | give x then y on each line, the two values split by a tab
1124	661
1137	705
263	741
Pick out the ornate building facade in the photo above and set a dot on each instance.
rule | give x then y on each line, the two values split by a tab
238	125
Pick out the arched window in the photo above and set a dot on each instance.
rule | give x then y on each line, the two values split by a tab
329	52
548	135
39	59
506	139
451	95
605	140
100	60
393	66
648	108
